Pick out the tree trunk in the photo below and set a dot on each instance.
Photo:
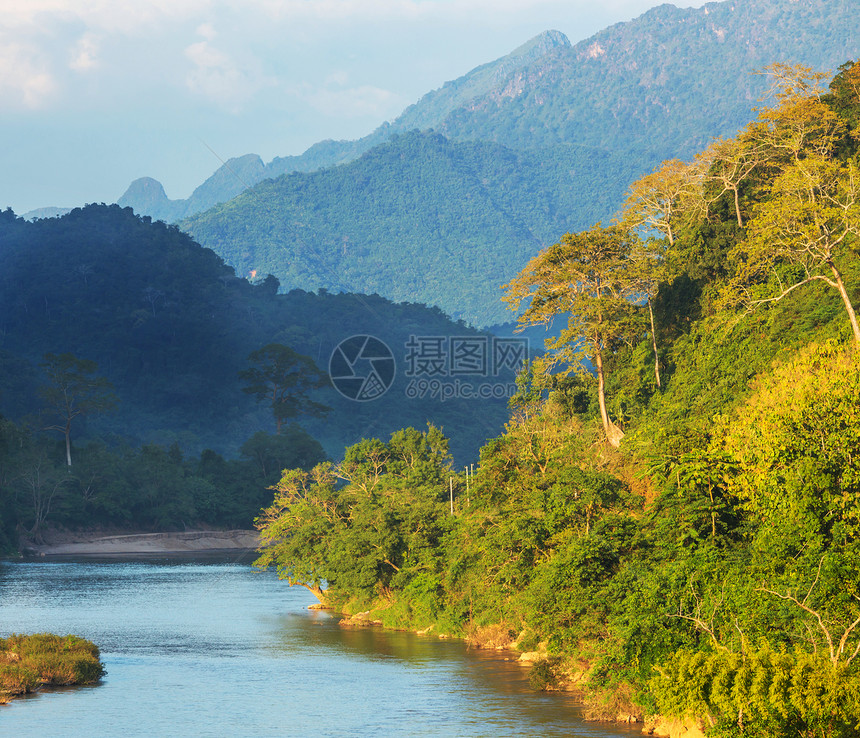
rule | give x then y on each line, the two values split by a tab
318	593
69	443
849	308
654	341
613	433
738	208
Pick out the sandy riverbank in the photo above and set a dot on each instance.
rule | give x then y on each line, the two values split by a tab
129	544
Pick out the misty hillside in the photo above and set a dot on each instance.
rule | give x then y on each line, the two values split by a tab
420	218
171	326
658	87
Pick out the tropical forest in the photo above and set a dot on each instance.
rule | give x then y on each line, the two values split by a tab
676	528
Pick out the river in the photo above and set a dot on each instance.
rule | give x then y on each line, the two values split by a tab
217	648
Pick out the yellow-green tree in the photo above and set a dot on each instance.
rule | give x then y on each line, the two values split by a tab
796	442
733	161
655	208
799	122
657	202
799	234
586	276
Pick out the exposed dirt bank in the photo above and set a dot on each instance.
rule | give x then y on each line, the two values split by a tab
130	544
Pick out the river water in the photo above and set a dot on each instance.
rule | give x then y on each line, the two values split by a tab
217	648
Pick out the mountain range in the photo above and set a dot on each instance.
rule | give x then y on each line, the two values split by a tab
576	123
671	68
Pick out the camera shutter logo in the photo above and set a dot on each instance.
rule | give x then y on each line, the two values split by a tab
361	368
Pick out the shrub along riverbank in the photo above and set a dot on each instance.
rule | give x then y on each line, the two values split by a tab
28	662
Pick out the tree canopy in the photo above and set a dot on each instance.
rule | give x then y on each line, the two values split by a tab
282	378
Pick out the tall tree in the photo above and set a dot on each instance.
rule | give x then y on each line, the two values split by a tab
655	206
656	201
799	123
650	264
44	484
586	277
282	377
74	390
798	235
734	161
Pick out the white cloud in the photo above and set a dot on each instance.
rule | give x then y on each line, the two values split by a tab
115	16
489	11
217	76
41	41
335	10
84	56
338	77
207	30
214	75
130	17
25	77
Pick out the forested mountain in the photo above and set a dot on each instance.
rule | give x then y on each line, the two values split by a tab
170	325
576	122
659	86
679	535
420	218
144	386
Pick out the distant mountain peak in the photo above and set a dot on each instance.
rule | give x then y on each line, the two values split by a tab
144	189
435	106
542	44
147	197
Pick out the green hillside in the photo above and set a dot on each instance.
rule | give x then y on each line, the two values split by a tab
420	218
131	361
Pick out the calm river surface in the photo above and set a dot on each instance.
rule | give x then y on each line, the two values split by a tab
217	648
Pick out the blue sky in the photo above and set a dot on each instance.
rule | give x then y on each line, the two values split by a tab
95	93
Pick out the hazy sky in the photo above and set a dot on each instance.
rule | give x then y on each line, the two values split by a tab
95	93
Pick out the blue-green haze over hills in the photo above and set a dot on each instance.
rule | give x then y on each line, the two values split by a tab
578	123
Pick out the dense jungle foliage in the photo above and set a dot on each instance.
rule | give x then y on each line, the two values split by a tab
149	356
684	528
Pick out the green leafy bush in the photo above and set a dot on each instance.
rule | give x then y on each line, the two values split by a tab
543	675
